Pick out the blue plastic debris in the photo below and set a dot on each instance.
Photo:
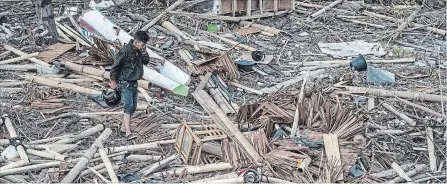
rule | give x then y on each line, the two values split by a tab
280	133
356	171
379	76
128	177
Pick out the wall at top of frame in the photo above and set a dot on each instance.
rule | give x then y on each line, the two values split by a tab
225	6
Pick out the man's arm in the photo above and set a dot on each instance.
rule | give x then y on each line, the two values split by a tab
116	67
145	56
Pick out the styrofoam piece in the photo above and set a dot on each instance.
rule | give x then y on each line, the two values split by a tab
160	80
171	71
96	23
104	4
171	78
10	153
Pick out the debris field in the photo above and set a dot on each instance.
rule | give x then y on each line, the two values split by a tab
308	91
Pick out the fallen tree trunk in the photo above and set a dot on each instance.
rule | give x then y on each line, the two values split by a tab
74	172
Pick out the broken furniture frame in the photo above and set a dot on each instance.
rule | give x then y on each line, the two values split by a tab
188	141
233	6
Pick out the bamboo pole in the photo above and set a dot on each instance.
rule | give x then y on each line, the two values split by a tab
427	28
397	113
139	147
29	168
217	177
32	59
13	60
24	160
99	175
304	164
405	23
68	138
431	149
171	27
18	67
81	135
108	165
12	84
96	167
158	165
295	127
143	158
195	169
56	84
400	94
72	34
418	169
423	108
333	62
319	12
47	155
391	172
400	171
161	15
87	156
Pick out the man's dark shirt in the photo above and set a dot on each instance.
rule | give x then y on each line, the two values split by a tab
128	65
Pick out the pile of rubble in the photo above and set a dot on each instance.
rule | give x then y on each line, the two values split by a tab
236	92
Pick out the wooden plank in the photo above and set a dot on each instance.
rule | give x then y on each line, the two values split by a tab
275	5
234	8
226	124
248	7
54	51
332	150
203	81
246	88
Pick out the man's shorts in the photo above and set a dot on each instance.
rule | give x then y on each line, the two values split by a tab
129	96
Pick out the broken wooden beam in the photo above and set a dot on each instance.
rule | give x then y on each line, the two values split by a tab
332	150
161	15
289	82
418	169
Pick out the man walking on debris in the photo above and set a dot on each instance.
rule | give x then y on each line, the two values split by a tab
126	71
